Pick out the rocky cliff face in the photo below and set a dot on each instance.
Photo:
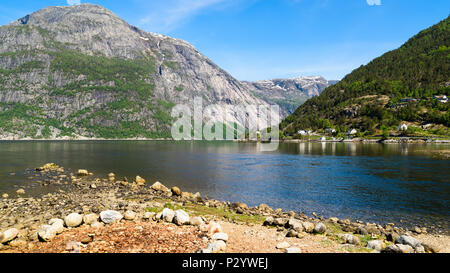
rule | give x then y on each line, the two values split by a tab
83	71
289	93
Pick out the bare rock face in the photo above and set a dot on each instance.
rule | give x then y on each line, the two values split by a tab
81	71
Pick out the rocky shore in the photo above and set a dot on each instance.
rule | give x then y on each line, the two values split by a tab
88	214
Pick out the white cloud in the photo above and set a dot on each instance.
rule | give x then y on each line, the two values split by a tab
374	2
167	15
73	2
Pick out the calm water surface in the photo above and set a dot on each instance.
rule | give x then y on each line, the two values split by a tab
370	182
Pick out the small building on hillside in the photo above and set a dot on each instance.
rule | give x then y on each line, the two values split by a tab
352	132
442	98
403	127
330	131
302	133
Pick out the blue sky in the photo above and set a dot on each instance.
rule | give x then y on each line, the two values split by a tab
265	39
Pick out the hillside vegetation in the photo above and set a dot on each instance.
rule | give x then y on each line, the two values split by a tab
398	87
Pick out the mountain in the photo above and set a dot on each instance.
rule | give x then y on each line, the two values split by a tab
83	71
399	87
289	94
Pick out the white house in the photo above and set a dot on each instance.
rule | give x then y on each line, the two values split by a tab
403	127
352	132
302	133
330	131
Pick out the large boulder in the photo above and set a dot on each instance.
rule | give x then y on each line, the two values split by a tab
181	218
110	216
350	239
398	248
73	220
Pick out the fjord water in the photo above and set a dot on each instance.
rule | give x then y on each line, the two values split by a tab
397	183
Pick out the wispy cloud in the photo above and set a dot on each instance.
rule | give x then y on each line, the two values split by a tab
168	15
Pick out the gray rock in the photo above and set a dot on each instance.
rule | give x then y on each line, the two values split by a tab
181	218
308	226
320	228
407	240
46	233
73	220
216	246
280	222
89	219
378	245
110	216
167	215
196	221
398	248
351	239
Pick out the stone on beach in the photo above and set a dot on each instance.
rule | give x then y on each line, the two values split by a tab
130	215
20	191
212	228
89	219
82	172
309	227
283	245
398	248
181	218
57	224
157	186
378	245
292	250
9	235
220	236
320	228
350	239
196	221
176	191
5	195
167	215
73	220
407	240
140	181
47	232
110	216
216	246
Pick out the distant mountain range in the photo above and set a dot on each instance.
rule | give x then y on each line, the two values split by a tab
289	94
406	85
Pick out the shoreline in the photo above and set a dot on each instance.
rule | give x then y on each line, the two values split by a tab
90	196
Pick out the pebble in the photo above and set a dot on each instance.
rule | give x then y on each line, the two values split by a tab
5	195
130	215
47	232
20	191
350	239
73	220
82	172
309	227
140	181
110	216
